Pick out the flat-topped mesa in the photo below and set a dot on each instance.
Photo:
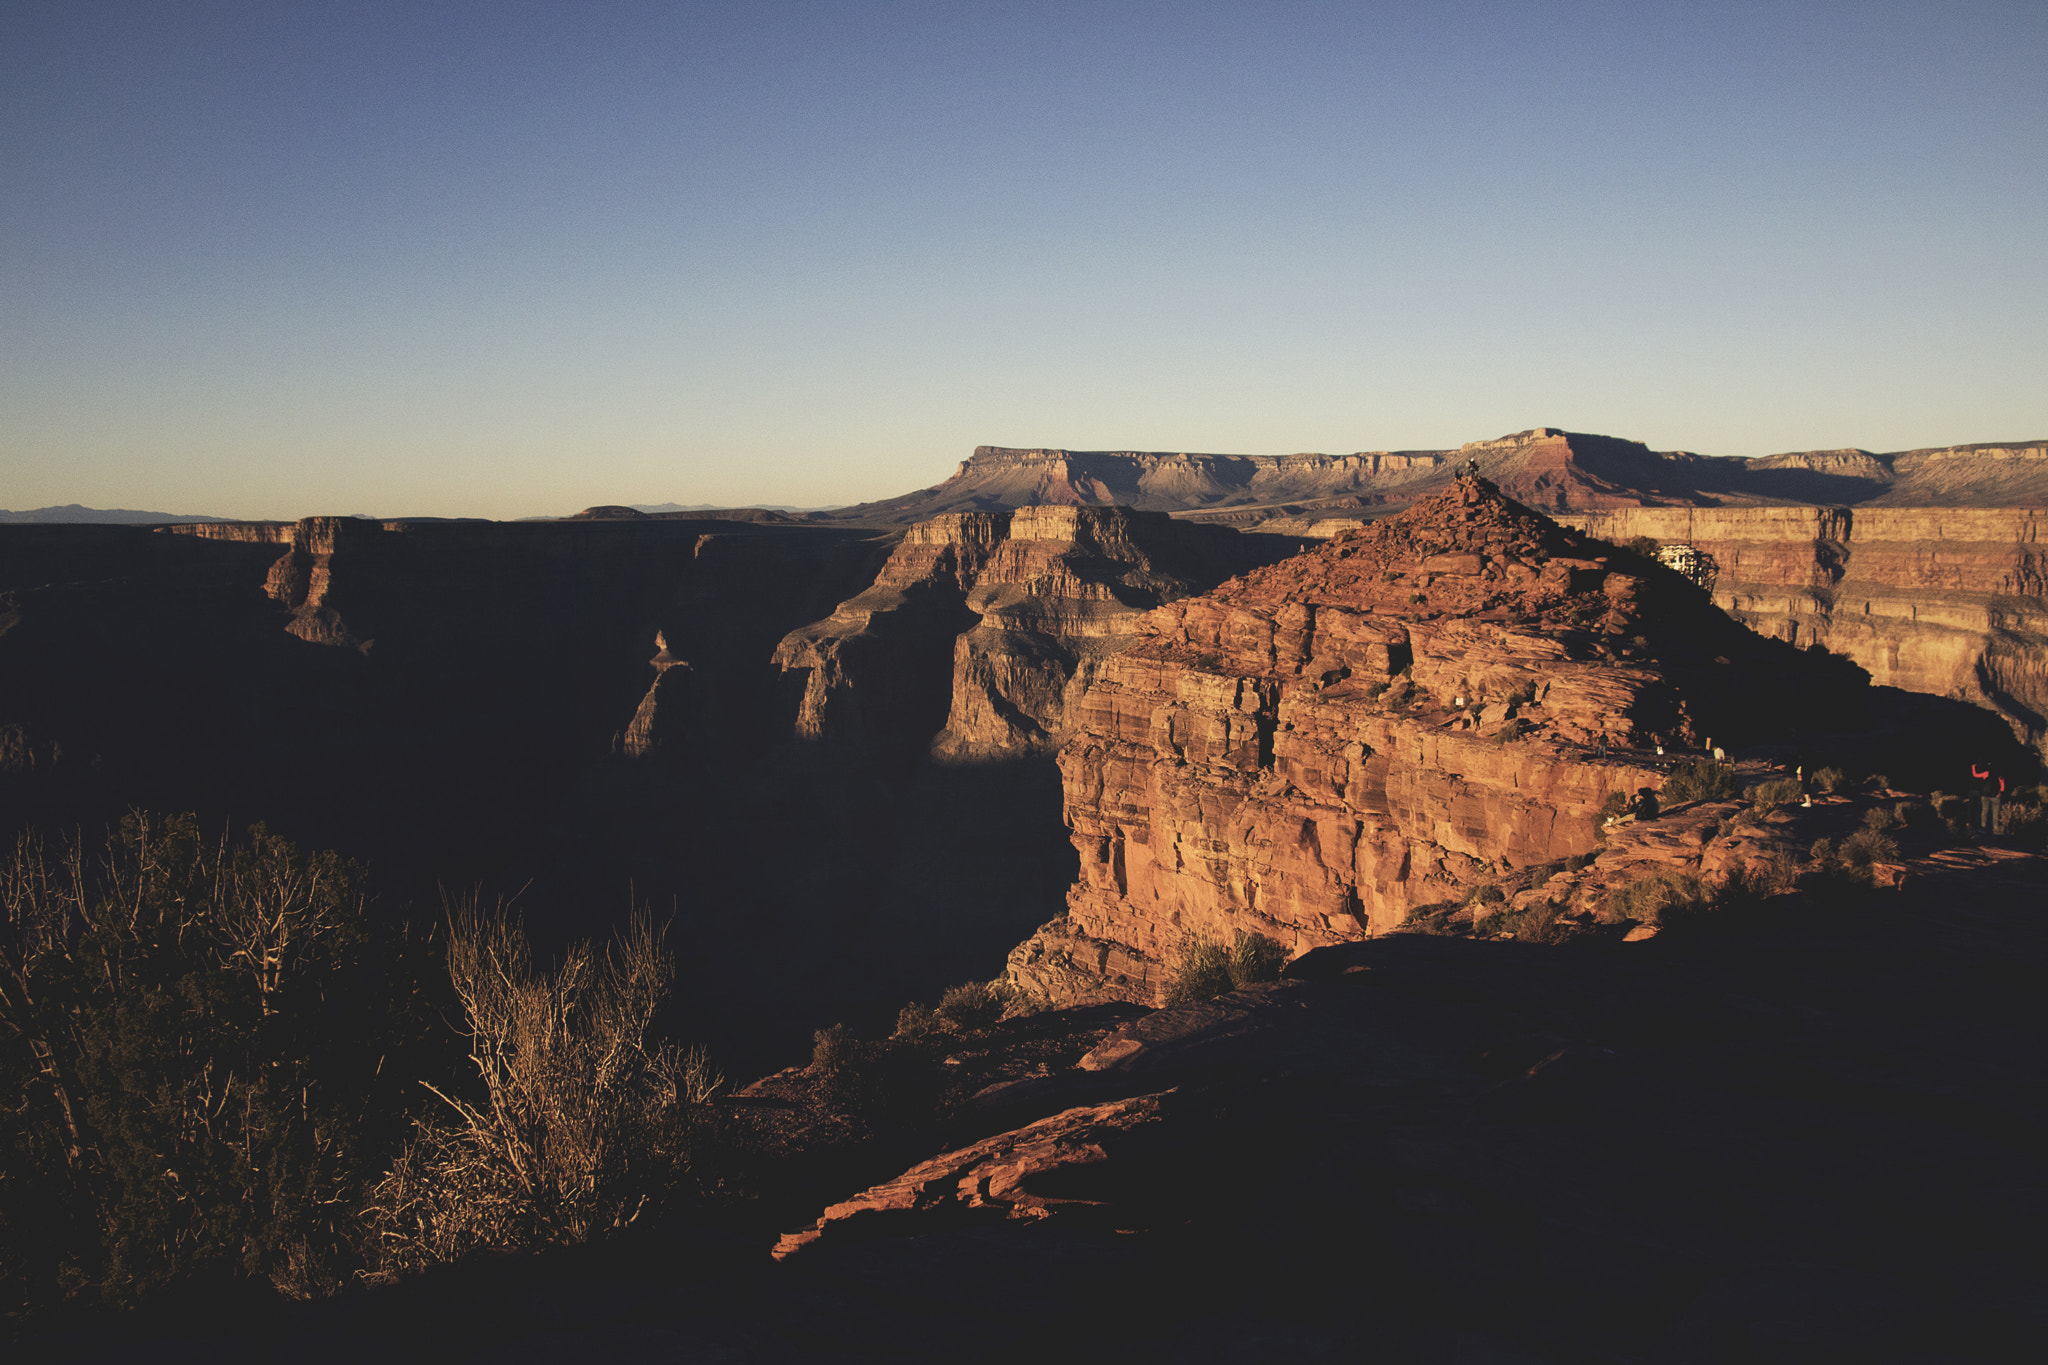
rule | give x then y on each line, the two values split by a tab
1389	721
983	627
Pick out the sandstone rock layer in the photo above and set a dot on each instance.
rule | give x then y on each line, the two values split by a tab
983	628
1946	601
1317	748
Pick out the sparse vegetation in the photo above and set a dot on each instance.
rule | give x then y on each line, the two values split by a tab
974	1005
1867	846
1832	780
1539	922
205	1056
583	1123
1701	781
1675	899
1208	968
1668	897
1776	791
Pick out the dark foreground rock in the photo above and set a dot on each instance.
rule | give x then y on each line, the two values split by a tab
1813	1136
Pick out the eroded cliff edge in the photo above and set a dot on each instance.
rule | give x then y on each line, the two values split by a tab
1948	601
983	629
1415	709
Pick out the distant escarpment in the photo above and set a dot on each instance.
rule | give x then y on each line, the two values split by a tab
1948	601
1552	470
1411	711
983	628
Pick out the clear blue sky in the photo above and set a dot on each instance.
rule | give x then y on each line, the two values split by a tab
500	259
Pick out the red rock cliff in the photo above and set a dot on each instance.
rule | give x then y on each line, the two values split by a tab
1947	601
1316	748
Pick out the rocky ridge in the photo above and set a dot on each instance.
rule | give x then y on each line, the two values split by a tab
1946	601
983	628
1416	709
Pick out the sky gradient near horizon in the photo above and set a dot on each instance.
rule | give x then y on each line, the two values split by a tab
505	259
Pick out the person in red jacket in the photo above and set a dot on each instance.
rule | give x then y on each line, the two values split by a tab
1990	793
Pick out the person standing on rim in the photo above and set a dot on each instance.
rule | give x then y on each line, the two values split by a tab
1990	793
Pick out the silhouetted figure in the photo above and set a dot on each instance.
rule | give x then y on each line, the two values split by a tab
1600	745
1990	795
1645	806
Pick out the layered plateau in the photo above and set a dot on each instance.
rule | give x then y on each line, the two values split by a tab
1549	469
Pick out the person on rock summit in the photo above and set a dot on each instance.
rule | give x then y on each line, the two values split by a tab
1990	794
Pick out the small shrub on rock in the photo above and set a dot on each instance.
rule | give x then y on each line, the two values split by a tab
915	1020
2027	826
1702	781
1832	780
1431	919
1665	897
1778	791
1869	845
973	1006
1208	968
833	1050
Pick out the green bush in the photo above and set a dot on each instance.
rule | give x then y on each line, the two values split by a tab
1777	791
1664	898
973	1006
1208	968
206	1057
1433	918
1832	780
1867	846
1702	781
1540	922
915	1020
833	1050
2027	825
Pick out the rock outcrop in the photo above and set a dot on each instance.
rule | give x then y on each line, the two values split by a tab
1947	601
1316	749
982	628
1794	1141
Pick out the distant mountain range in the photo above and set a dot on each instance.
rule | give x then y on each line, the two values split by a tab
658	508
1551	470
73	514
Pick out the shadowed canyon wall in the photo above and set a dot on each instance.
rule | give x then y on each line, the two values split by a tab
1947	601
983	629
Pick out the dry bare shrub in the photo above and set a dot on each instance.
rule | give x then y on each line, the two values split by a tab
583	1125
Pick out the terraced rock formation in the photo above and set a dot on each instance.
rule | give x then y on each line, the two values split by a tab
982	628
1415	709
1549	469
1952	602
